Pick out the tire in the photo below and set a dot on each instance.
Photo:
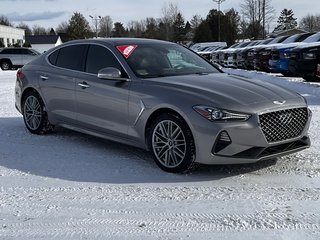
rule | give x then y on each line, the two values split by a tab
34	114
309	78
6	65
172	145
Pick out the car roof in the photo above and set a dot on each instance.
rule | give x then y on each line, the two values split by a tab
122	41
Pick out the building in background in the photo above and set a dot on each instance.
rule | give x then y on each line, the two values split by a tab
43	43
10	36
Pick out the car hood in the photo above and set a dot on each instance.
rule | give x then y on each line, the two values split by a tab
289	45
308	45
228	91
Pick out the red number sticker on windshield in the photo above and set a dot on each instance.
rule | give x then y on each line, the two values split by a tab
126	50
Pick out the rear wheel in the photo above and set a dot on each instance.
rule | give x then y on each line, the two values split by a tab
5	65
310	78
34	114
172	144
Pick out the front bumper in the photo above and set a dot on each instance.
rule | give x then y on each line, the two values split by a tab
279	66
300	68
248	142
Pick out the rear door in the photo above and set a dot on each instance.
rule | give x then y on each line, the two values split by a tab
57	82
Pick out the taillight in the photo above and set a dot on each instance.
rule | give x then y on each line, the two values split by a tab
20	74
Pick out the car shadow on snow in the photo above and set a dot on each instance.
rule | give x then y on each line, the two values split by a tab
73	156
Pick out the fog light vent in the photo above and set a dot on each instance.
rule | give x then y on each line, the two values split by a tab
224	137
223	140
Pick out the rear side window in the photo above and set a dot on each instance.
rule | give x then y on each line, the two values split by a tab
27	52
11	51
99	57
70	57
53	57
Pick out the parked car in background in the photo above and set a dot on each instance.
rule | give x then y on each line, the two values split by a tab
197	46
318	71
242	53
222	57
250	57
215	55
303	61
207	51
16	57
162	97
263	54
279	61
230	55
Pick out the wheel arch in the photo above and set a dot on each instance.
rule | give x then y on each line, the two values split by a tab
163	110
26	92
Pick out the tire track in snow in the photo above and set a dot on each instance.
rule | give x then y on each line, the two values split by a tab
189	223
149	194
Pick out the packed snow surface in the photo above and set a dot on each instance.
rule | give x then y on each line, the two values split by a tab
68	185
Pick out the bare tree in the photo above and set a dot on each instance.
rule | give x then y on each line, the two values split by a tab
257	14
38	30
310	23
105	26
136	28
5	21
62	27
169	14
26	28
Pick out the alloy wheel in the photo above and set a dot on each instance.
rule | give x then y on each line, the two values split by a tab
169	143
32	112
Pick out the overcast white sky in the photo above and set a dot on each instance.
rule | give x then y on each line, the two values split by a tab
49	13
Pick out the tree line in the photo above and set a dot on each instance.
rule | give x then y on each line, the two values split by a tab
252	22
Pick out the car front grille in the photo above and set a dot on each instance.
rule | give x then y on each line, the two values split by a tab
283	125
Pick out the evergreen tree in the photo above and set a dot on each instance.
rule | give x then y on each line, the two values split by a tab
203	32
178	28
78	27
119	30
151	28
286	20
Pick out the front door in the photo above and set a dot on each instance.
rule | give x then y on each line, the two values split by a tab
102	104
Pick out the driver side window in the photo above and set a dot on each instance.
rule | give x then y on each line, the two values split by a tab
100	57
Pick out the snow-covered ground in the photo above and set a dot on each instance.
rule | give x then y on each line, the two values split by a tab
68	185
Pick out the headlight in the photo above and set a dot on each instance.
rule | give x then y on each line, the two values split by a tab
309	56
217	114
265	53
285	55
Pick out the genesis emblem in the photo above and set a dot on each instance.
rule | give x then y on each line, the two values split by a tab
279	102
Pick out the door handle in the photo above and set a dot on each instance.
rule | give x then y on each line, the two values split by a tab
44	78
83	85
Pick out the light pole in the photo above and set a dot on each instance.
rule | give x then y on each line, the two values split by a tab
95	20
219	3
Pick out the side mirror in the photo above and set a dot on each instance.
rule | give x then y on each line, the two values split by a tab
111	73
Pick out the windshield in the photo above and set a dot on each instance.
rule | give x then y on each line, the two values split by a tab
159	60
278	39
313	38
292	38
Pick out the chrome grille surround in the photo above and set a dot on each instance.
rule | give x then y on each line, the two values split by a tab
284	124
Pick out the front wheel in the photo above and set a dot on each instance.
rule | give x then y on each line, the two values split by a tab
172	144
34	115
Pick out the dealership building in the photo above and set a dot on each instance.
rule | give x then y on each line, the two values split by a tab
11	35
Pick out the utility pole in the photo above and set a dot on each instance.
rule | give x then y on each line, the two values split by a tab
219	31
263	18
95	20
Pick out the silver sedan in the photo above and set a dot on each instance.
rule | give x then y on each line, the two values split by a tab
162	97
